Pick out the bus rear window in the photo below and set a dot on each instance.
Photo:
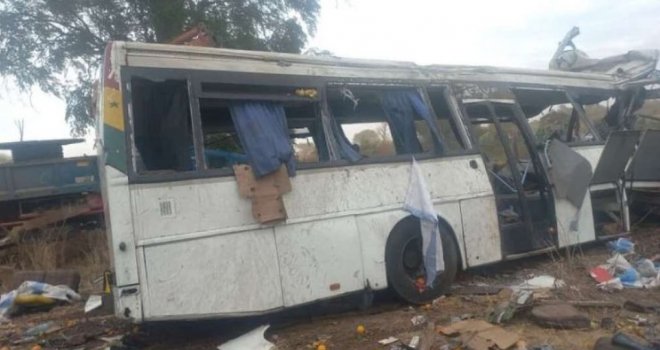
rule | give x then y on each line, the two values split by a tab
162	125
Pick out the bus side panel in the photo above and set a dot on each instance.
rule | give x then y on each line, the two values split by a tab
374	230
481	231
566	211
120	224
319	259
220	275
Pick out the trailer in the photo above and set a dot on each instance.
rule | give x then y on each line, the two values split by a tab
41	187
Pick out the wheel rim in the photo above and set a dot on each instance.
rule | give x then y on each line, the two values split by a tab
412	258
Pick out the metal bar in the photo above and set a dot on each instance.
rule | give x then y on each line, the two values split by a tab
196	121
583	115
459	117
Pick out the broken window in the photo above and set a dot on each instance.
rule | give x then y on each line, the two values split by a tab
552	114
647	116
162	128
446	121
222	146
383	121
362	119
305	131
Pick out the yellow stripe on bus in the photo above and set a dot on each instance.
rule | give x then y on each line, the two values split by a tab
113	108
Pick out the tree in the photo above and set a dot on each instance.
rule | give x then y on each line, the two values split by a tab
57	45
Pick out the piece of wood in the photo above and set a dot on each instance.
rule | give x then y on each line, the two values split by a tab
428	337
268	209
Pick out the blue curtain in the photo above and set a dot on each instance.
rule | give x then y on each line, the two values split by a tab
339	147
264	134
401	107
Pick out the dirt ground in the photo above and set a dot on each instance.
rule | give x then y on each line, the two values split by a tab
335	322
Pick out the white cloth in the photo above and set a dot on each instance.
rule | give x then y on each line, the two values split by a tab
418	203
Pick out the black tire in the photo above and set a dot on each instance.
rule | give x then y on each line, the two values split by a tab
404	240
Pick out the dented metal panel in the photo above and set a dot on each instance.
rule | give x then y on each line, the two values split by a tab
568	233
226	274
319	259
481	233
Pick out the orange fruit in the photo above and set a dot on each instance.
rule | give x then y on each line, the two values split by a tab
321	347
360	329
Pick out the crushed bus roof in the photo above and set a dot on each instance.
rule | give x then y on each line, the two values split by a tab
217	59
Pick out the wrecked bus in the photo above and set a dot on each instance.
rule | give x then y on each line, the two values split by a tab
205	219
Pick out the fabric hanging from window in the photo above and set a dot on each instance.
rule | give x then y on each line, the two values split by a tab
263	131
339	147
401	107
418	202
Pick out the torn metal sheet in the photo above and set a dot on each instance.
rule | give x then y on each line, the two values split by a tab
620	147
633	65
570	172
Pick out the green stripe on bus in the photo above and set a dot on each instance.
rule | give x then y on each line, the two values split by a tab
114	142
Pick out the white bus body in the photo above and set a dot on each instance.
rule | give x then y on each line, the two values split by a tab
188	247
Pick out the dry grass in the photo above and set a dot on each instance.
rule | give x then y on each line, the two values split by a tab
63	248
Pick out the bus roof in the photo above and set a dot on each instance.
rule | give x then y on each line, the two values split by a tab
136	54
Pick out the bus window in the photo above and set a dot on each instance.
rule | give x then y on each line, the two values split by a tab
385	121
222	146
305	131
362	119
552	114
446	121
370	139
161	125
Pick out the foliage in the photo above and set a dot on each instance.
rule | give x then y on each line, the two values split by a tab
57	45
375	142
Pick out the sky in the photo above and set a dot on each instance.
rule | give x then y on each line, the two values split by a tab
508	33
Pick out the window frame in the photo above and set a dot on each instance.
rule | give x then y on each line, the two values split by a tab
195	79
575	105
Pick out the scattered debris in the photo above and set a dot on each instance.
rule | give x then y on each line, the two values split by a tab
414	342
253	339
505	310
93	302
600	274
32	294
418	320
618	273
540	282
621	246
562	316
38	329
388	341
481	335
428	338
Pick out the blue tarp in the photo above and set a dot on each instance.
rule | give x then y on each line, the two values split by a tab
401	107
264	134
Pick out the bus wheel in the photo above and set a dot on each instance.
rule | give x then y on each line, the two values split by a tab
405	264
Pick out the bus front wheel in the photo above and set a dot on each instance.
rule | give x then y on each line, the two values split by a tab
405	264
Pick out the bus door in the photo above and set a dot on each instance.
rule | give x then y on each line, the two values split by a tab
522	191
